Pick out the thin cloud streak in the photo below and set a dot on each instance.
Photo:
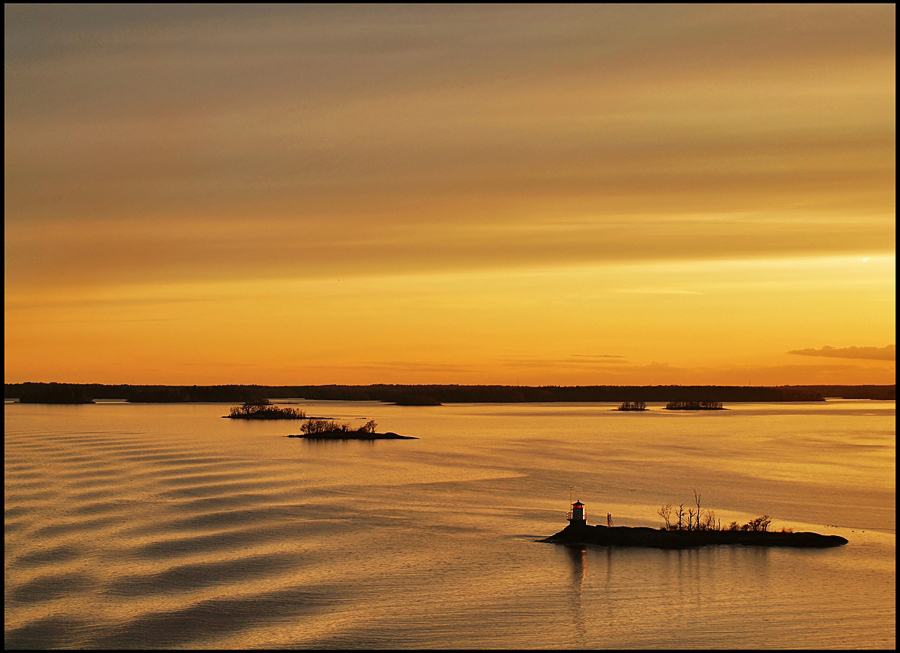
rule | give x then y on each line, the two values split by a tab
888	353
248	249
551	364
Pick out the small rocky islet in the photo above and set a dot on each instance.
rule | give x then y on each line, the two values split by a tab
325	429
315	428
578	532
352	435
263	409
662	539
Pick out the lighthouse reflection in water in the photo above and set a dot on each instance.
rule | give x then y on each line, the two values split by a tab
578	553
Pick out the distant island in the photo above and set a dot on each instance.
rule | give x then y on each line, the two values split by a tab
321	429
416	400
700	529
55	393
694	405
443	394
353	435
632	406
263	409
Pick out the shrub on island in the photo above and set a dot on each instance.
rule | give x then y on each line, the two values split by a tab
327	426
263	409
694	405
700	519
326	429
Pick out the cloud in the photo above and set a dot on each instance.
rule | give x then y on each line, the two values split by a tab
574	361
223	141
657	291
887	353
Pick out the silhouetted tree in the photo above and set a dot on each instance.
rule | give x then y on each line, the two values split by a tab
760	523
666	513
54	393
319	426
263	409
694	405
159	395
697	502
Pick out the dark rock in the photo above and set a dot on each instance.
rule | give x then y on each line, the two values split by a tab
663	539
353	435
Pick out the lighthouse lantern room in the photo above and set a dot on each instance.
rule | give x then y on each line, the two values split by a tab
576	514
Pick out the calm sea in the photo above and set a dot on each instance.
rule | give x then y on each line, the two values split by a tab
164	526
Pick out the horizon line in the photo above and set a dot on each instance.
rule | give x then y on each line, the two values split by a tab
474	385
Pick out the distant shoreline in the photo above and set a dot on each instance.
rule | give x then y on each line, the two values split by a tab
442	394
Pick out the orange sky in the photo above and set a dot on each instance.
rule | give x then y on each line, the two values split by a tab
534	194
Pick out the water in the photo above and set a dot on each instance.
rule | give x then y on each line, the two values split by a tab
164	526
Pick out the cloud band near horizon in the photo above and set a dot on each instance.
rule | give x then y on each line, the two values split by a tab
887	353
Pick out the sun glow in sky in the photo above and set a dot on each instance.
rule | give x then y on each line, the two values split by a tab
534	194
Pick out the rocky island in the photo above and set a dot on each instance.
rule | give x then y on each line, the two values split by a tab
352	435
695	405
321	429
754	533
663	539
263	409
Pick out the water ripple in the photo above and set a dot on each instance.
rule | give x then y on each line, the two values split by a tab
178	628
77	526
43	557
194	576
49	587
49	632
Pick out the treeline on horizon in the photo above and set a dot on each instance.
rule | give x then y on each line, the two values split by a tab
433	394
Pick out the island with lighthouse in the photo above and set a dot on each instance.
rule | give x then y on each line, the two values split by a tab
754	533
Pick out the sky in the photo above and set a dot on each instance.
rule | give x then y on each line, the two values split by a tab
522	194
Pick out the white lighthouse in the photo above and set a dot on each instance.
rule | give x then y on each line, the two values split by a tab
576	514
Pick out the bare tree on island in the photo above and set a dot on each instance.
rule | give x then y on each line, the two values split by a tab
697	501
666	513
705	520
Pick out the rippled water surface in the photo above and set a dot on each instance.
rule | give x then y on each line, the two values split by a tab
164	526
